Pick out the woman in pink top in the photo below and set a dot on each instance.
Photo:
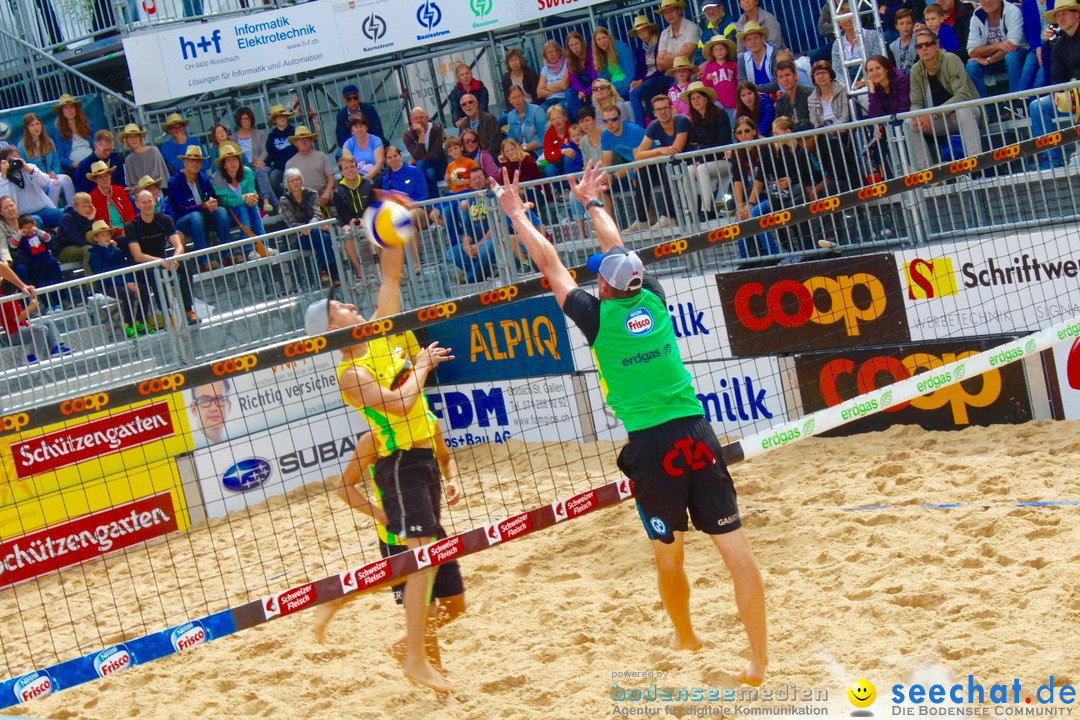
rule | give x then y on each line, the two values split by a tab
721	72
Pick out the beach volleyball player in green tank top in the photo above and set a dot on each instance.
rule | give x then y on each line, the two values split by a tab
673	456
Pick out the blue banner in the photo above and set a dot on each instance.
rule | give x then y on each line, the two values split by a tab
525	339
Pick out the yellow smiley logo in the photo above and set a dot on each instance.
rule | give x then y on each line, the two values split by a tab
862	693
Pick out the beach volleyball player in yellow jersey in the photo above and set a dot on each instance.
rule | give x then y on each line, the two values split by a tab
377	378
448	590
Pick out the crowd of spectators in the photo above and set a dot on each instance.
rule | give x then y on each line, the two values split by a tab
660	91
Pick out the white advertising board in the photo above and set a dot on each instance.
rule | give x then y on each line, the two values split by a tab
1026	282
741	396
251	402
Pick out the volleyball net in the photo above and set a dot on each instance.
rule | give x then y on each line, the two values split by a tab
154	516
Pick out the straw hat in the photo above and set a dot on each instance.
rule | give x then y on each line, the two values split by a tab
193	152
99	226
715	40
146	181
65	99
642	22
276	110
174	119
681	63
752	27
99	168
665	4
227	150
1050	16
129	130
302	132
699	87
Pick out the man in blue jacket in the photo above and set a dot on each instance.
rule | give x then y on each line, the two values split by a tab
191	194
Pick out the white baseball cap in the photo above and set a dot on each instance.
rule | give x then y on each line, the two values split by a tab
621	268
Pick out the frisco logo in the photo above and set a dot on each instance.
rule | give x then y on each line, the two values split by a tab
188	636
113	660
639	322
33	685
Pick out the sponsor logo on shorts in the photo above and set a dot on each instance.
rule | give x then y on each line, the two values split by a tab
727	520
639	322
687	453
658	526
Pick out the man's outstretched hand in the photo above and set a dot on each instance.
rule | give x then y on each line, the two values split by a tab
509	195
593	182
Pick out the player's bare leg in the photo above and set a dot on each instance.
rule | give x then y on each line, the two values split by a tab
675	592
323	614
417	667
442	612
750	598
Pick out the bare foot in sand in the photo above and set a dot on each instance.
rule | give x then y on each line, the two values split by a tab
323	614
423	673
753	674
681	643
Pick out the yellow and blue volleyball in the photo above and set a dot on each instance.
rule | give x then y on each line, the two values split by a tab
388	224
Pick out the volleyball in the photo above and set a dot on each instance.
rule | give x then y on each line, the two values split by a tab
388	224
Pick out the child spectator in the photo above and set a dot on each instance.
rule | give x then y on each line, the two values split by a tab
457	171
948	40
38	335
106	256
682	71
721	72
33	261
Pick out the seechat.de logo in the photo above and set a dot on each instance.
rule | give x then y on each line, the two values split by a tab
305	347
371	329
499	295
188	635
14	422
37	684
84	404
436	312
236	365
639	321
161	384
247	475
928	279
429	15
668	249
373	27
480	8
113	660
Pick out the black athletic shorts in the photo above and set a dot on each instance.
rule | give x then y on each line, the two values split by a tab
448	580
411	487
678	466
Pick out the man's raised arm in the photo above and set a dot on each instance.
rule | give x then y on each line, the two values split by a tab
588	189
541	251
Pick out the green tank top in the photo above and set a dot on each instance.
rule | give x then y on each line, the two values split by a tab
641	371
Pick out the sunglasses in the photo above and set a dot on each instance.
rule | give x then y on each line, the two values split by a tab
469	141
614	119
352	97
924	45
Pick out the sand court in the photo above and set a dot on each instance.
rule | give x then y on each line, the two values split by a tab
989	588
